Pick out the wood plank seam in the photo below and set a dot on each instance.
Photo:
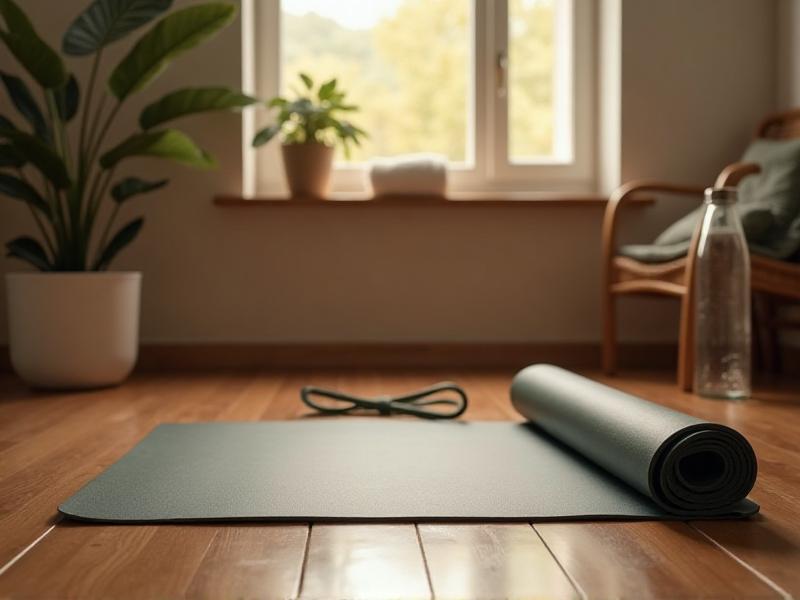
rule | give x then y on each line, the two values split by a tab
26	549
782	592
581	592
208	547
305	561
425	561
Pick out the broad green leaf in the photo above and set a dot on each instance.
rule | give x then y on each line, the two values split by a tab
277	102
132	186
170	37
326	89
41	155
15	19
349	130
265	135
189	101
21	39
67	99
9	157
28	249
301	106
106	21
23	100
122	238
169	143
309	83
17	188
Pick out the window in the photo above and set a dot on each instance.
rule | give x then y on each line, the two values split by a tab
405	63
502	88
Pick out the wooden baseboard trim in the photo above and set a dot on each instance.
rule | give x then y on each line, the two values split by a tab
503	200
162	357
366	355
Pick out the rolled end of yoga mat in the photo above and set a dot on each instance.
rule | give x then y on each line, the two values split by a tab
687	466
704	468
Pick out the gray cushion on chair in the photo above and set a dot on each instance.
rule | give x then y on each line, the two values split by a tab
769	205
756	222
655	253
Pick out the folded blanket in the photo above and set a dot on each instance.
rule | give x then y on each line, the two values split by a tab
414	174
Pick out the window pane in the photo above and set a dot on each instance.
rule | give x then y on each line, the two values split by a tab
406	63
531	79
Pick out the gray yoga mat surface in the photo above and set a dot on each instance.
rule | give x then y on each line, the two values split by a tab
588	451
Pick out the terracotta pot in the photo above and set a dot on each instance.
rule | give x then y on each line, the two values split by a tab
308	168
73	330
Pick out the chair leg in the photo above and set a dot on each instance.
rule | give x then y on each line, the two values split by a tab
686	344
609	331
686	337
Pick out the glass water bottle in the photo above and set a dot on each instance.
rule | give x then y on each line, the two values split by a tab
722	300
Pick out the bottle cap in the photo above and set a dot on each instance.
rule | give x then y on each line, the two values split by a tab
721	195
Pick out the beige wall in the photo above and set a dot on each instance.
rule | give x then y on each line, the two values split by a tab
695	76
788	38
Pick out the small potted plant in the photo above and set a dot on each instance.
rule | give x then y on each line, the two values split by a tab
73	323
309	127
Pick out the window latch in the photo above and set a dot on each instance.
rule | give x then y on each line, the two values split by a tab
501	73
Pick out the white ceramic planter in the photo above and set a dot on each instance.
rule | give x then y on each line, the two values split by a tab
73	330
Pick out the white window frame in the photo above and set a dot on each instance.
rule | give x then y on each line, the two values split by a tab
487	167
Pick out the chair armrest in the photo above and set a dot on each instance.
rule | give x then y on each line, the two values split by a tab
731	175
626	192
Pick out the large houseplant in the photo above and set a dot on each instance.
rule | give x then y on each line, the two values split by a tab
74	324
310	126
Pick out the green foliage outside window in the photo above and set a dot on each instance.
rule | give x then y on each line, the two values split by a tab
411	74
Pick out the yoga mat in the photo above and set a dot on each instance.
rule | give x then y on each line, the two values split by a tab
586	451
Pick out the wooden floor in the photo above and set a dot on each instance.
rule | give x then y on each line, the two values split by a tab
51	444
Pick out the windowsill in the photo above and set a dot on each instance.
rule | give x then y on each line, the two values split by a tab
497	200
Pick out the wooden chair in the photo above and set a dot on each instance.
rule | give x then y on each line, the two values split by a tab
623	275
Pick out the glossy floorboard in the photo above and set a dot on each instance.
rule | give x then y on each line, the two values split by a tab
50	444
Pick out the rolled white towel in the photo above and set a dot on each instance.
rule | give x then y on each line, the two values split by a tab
410	174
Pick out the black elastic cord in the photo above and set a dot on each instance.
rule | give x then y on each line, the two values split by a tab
409	404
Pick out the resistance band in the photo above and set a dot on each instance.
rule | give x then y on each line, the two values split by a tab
415	403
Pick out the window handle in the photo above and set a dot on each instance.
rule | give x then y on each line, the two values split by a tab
501	73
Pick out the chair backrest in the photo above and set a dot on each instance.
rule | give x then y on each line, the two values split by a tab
780	126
